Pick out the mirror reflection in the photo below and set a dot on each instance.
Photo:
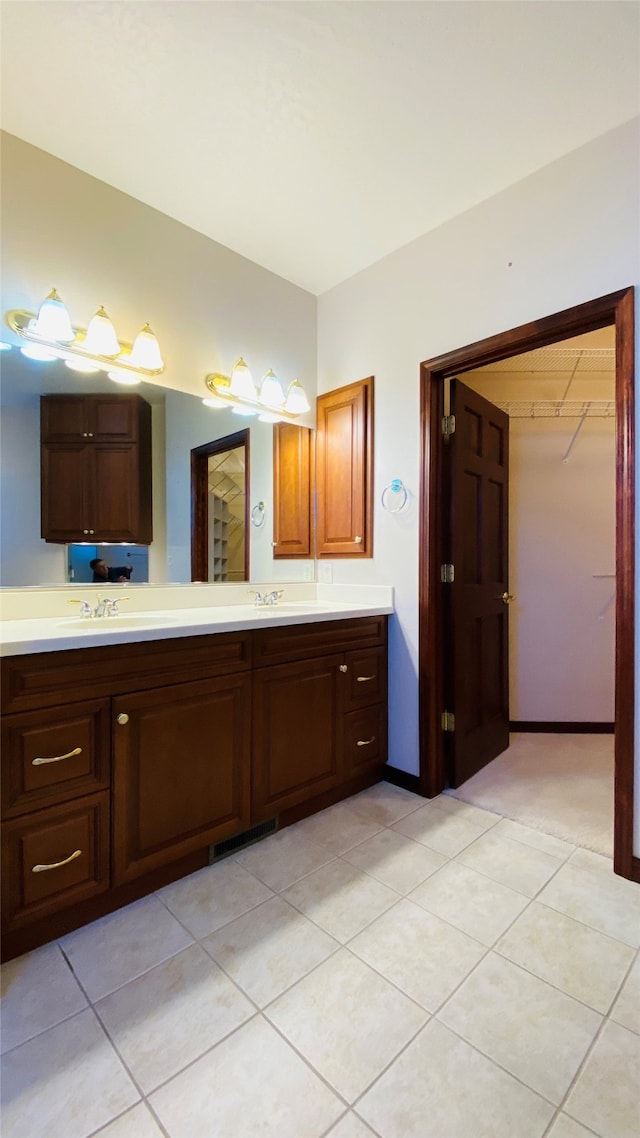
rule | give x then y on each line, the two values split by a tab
219	472
180	425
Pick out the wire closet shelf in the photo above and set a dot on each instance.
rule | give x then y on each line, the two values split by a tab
558	408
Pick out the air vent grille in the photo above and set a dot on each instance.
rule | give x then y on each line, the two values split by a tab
240	841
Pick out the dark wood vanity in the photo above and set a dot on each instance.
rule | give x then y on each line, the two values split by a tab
124	764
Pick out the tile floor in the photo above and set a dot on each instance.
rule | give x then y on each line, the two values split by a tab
390	967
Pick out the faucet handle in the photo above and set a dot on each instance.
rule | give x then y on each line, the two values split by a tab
85	607
259	598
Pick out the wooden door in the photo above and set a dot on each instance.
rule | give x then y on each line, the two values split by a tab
478	596
344	471
297	717
291	491
181	771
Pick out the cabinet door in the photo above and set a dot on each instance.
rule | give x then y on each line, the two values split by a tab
65	505
297	720
103	418
344	471
181	771
115	493
291	491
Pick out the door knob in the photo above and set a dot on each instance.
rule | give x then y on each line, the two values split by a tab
507	598
122	718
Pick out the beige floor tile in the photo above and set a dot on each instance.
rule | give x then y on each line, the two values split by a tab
351	1127
347	1021
587	859
510	863
173	1014
626	1009
394	860
579	960
123	945
470	901
38	991
340	827
536	838
211	898
606	1096
609	904
385	803
422	955
222	1095
340	899
440	1087
269	949
283	858
65	1083
483	819
565	1127
533	1030
440	830
136	1123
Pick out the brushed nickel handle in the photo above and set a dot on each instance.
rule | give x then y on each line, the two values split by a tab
122	718
56	864
343	667
40	762
363	679
507	598
366	742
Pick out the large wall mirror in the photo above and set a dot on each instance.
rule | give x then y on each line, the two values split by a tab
180	424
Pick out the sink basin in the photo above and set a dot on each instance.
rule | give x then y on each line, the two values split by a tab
114	623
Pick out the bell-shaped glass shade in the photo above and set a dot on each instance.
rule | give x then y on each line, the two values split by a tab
215	401
127	378
81	365
246	411
297	402
101	339
242	383
269	417
35	352
146	351
271	392
53	322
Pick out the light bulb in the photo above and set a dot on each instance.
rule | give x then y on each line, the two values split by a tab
76	364
242	383
34	352
52	322
146	351
127	378
101	339
214	401
271	391
297	402
246	411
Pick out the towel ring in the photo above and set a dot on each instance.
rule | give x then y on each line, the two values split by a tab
258	515
394	497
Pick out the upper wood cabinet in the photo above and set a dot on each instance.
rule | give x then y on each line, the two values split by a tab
291	491
96	468
344	471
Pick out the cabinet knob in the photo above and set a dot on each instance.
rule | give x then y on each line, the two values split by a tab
92	531
90	434
343	667
85	531
358	540
122	718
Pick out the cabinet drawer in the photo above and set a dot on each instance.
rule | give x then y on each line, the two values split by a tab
53	757
299	641
365	739
53	859
367	678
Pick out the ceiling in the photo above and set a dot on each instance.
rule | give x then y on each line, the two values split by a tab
316	137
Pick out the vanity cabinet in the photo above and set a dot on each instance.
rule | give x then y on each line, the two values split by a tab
123	765
95	468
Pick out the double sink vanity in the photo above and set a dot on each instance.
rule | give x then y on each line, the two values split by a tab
140	744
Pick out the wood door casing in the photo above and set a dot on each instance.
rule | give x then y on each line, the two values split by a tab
477	615
344	471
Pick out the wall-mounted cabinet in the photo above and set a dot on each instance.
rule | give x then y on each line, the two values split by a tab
344	471
292	455
95	468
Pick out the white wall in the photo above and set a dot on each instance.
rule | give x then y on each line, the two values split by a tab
567	234
561	533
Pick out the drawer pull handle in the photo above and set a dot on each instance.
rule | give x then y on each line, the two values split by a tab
363	679
366	742
56	864
343	667
40	762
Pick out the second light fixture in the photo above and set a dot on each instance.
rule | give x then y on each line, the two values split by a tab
268	401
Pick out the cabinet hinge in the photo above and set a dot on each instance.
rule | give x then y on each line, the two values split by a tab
448	721
447	574
448	425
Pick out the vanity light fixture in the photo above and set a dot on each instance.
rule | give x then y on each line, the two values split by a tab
50	335
268	402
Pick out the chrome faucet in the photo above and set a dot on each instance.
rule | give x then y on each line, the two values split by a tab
263	599
105	607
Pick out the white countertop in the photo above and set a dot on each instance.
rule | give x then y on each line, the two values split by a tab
64	632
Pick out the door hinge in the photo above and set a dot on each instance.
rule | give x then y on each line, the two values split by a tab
448	721
447	574
448	425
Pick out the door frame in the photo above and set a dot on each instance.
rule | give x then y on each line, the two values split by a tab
614	309
200	503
